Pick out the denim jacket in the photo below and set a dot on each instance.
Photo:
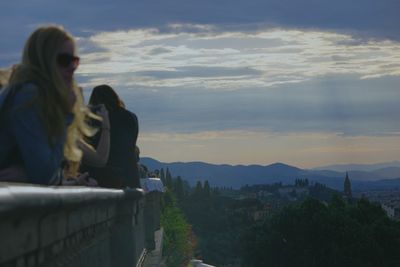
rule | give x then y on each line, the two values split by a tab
22	133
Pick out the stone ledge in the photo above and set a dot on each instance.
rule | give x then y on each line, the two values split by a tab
25	196
70	226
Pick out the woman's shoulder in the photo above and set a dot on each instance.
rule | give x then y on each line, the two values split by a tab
24	93
17	94
125	113
131	116
26	90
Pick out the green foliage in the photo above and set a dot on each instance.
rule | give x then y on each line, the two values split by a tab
206	189
216	221
162	176
315	234
168	179
301	182
143	171
178	188
310	233
198	191
178	248
321	192
273	188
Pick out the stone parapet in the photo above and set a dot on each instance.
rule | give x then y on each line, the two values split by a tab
75	226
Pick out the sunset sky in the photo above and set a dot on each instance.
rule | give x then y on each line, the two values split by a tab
303	82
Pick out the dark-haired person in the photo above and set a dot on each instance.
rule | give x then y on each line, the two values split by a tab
41	111
121	168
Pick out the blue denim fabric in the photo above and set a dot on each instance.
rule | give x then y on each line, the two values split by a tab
24	130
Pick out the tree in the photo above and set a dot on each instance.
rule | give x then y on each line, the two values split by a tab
337	202
177	247
198	191
217	223
143	171
168	179
179	188
216	191
301	182
162	176
293	193
206	189
315	234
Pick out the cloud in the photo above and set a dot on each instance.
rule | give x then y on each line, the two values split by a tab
266	58
279	80
158	51
208	76
365	18
276	80
197	71
340	104
88	46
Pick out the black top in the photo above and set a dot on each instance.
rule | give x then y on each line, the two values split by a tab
121	169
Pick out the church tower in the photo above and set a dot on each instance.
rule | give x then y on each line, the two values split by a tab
347	187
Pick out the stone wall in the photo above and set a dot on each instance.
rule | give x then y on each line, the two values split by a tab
75	226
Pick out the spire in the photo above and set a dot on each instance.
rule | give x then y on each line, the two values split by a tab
347	187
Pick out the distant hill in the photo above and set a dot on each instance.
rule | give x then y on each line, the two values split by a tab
359	167
227	175
389	172
239	175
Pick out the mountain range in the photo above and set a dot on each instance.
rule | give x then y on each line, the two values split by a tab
359	167
368	178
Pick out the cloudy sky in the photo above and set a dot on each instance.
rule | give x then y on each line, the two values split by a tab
303	82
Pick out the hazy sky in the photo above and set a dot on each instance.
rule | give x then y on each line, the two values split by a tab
303	82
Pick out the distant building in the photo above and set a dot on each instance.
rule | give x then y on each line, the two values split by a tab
392	209
259	215
292	192
389	200
347	187
152	184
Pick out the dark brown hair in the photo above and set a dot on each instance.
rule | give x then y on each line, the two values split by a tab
104	94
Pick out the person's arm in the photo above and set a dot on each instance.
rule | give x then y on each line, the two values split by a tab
136	178
98	157
136	126
42	162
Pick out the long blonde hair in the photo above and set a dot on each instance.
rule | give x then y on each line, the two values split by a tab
4	76
39	66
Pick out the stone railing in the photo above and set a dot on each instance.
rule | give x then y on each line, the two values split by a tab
76	226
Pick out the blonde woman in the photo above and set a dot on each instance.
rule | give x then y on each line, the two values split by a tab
41	111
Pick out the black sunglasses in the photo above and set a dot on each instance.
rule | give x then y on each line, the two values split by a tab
65	60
